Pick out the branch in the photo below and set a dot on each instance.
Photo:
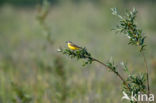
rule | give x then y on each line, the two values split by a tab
83	54
121	78
147	73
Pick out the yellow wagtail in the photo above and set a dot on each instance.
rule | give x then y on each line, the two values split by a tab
72	46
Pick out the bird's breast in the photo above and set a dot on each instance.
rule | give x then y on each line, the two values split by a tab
72	47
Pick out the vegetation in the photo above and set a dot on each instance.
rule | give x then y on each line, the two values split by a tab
32	71
134	83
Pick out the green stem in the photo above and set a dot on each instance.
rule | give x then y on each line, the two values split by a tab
147	74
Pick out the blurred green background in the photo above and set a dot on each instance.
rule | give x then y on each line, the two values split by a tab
32	71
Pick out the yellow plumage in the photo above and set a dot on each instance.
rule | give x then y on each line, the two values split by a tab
73	47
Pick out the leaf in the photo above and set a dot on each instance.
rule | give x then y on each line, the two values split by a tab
114	11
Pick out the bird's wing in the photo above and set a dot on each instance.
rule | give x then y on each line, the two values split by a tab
75	45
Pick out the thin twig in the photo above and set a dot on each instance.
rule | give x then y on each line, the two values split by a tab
121	78
147	73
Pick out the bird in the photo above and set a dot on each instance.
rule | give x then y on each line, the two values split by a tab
72	46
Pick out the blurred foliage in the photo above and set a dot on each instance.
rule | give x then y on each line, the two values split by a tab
43	11
20	94
34	69
54	2
61	85
58	69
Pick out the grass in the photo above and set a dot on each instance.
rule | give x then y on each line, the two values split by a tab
27	59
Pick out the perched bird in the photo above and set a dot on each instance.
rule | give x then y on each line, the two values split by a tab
72	46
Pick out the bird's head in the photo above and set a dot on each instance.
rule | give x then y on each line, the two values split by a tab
68	42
